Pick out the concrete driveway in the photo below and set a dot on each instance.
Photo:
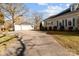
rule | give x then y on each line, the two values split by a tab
41	44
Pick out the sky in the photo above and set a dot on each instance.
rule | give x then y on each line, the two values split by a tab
48	9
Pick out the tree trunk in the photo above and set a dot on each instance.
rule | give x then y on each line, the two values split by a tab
13	22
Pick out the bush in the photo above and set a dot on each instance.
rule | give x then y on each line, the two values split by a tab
70	28
45	28
55	28
50	28
61	28
76	29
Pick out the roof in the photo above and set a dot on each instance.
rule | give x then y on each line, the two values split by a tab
23	23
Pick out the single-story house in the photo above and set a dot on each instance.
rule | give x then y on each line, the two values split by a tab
66	20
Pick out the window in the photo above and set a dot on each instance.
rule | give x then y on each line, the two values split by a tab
69	23
51	22
57	23
73	21
60	24
63	22
66	22
72	7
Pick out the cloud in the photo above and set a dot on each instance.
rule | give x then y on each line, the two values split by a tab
52	10
42	3
67	5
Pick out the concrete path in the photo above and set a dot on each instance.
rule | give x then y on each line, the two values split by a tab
41	44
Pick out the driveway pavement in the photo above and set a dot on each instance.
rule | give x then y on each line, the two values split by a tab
41	44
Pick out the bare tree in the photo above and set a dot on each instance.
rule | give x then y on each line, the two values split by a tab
37	17
13	10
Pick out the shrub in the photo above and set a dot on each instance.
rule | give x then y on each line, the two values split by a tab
45	28
61	28
70	28
55	28
50	28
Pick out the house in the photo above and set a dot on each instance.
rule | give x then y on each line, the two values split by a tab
66	20
23	26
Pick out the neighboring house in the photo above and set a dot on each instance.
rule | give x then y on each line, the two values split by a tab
23	26
66	20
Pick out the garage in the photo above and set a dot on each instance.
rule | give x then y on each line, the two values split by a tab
23	27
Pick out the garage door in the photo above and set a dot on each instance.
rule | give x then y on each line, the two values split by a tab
23	27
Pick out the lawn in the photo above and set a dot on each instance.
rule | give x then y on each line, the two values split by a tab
7	37
69	40
5	42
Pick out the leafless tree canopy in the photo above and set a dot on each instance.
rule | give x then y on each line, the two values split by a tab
37	17
13	10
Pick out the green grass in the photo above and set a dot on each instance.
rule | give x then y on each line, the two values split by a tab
5	41
2	35
69	40
6	38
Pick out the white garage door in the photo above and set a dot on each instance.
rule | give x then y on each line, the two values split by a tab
17	27
23	27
